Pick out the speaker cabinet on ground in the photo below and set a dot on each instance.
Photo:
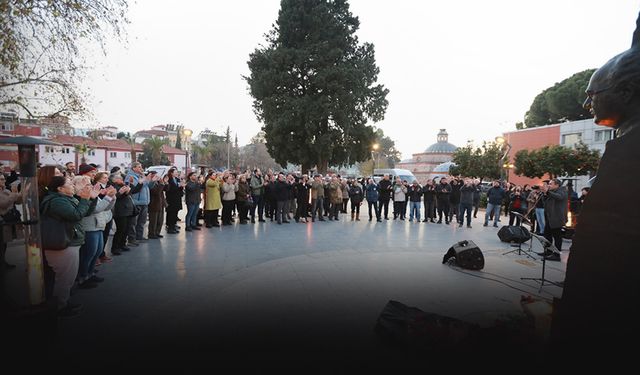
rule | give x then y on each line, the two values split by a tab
467	255
512	233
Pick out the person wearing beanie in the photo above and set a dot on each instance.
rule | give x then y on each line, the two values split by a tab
115	169
86	169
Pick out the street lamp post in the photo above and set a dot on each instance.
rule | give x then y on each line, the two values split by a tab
27	160
377	159
503	162
507	167
37	322
187	137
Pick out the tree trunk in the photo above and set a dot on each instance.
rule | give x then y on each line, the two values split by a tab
306	167
323	166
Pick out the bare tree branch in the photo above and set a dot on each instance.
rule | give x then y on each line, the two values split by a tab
41	67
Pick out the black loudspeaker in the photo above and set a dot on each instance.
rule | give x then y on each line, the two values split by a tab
467	255
512	233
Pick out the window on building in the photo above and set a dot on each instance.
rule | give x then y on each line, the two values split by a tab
113	154
65	150
91	153
6	126
603	135
127	155
571	139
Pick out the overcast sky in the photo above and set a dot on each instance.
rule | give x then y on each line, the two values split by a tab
472	67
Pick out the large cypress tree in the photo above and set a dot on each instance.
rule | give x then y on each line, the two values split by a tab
561	102
314	86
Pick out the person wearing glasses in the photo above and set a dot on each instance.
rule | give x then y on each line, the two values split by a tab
599	308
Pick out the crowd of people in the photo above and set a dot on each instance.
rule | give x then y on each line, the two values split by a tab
92	202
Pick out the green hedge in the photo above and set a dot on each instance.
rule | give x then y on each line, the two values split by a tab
483	200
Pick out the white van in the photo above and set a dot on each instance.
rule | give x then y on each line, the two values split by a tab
404	174
160	169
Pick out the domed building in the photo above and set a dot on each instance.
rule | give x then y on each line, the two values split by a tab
423	164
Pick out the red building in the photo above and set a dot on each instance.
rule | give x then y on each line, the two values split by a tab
530	139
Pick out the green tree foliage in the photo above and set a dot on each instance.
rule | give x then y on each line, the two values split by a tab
314	86
527	164
132	143
386	156
179	140
82	150
255	155
482	162
146	157
562	102
463	157
152	147
41	44
582	161
212	151
124	135
557	161
387	150
366	167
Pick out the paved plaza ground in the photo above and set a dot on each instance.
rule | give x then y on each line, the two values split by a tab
266	288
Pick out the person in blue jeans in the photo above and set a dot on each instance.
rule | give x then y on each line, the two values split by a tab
495	196
372	195
415	199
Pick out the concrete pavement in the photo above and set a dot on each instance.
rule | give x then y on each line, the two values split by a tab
313	288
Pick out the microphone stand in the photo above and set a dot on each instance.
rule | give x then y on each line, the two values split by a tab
548	247
519	245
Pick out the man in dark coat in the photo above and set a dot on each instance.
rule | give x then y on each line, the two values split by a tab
555	214
385	188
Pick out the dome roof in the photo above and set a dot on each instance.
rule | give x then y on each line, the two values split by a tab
444	167
442	146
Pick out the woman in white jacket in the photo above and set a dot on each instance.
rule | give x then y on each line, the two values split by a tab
93	225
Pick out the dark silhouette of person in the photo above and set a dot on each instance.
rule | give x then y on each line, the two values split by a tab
600	306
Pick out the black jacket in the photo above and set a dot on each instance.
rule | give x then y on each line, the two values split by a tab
356	194
281	191
414	193
443	191
385	188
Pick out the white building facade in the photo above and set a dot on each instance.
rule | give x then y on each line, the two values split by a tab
588	132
